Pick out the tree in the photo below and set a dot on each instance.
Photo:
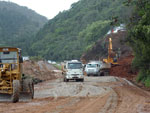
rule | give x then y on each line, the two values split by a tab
139	39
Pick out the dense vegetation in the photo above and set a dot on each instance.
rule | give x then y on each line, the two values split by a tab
18	25
139	39
74	31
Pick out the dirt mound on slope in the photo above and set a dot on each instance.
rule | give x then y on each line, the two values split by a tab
100	49
41	70
124	68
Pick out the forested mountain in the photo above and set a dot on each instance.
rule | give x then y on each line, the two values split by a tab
18	25
74	31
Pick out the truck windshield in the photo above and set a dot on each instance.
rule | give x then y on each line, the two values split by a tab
91	65
8	57
74	65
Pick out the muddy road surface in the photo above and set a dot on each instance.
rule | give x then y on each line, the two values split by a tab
96	95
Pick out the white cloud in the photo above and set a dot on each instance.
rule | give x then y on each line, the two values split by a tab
48	8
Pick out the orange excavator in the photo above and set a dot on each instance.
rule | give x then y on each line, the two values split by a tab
111	55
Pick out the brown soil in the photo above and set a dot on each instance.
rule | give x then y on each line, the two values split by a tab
124	68
61	105
132	100
41	70
124	98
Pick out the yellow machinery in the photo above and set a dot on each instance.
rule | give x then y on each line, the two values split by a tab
11	79
111	54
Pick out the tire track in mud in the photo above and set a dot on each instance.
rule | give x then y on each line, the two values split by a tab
70	103
111	103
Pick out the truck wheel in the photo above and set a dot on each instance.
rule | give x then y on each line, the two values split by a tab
16	91
31	88
106	73
76	80
66	80
102	74
82	80
25	85
28	87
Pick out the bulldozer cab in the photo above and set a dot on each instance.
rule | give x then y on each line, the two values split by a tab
11	80
10	68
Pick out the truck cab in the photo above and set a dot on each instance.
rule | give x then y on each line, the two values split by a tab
73	70
93	68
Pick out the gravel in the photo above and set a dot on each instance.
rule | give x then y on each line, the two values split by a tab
75	89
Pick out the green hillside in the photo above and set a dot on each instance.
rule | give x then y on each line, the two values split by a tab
139	39
18	25
74	31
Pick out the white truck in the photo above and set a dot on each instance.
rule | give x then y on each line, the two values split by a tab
97	68
72	70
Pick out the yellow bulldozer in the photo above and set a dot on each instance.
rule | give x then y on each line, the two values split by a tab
12	81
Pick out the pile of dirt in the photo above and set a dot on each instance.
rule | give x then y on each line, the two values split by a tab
100	49
124	68
40	70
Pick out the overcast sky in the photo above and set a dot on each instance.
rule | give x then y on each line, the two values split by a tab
48	8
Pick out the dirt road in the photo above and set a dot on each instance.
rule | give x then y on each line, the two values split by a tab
95	95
